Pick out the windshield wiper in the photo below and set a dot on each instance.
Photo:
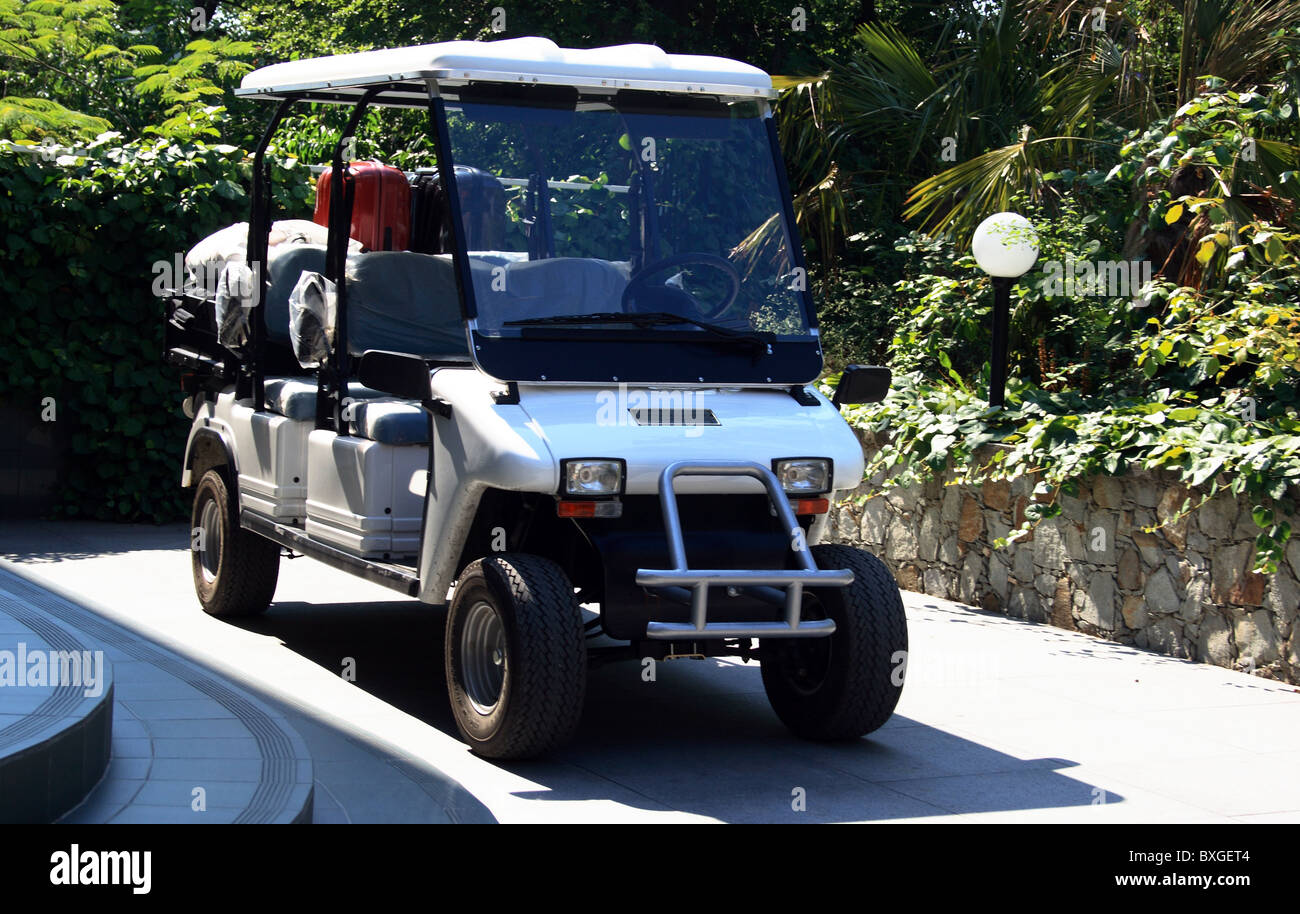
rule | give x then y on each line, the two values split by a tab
758	338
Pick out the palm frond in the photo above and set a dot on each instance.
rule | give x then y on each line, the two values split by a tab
1249	39
956	199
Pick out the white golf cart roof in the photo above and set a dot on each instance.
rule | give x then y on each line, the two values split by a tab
409	72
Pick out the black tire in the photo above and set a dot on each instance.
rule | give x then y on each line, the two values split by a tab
848	684
539	677
236	575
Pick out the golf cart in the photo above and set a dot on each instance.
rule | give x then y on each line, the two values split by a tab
559	384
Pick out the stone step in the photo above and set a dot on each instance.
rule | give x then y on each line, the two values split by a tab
187	746
55	714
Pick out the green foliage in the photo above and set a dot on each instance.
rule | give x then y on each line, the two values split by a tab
1209	445
584	221
1228	319
58	62
805	114
943	329
1231	147
396	137
861	304
1021	91
81	240
192	80
1195	374
1246	334
74	69
25	119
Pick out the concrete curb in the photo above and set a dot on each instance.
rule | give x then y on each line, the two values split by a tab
168	704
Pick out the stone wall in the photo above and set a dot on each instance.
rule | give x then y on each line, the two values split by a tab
1186	590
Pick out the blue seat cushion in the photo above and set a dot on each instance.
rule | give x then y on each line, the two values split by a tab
397	300
390	421
296	397
287	265
405	302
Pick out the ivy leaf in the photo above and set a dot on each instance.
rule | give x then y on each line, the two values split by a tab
1203	469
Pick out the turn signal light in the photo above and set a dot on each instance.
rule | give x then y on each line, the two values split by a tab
574	508
810	505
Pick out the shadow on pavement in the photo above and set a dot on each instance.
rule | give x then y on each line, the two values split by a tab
32	542
699	738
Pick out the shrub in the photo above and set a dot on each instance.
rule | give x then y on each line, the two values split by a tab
81	240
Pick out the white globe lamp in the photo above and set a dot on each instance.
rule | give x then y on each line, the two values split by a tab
1005	246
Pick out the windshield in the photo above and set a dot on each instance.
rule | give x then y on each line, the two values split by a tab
623	206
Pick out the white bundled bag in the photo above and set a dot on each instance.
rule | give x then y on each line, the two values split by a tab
312	309
238	291
207	260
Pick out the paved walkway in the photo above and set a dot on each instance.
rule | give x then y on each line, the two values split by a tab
166	731
56	709
185	746
1001	720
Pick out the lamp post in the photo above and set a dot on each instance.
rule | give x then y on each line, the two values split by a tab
1005	246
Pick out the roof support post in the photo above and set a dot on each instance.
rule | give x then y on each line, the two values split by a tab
259	231
332	380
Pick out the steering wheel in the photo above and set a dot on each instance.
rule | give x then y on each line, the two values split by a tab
661	296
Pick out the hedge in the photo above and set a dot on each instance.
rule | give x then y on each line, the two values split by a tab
79	239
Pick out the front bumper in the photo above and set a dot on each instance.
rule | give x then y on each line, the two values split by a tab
784	587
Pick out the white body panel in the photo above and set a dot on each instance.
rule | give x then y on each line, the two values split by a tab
369	498
758	425
519	447
360	494
271	451
270	454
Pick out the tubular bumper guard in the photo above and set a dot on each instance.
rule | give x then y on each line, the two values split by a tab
681	581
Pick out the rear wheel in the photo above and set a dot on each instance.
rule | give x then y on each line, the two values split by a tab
516	657
235	571
845	685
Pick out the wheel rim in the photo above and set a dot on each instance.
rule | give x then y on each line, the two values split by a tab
805	662
483	657
210	544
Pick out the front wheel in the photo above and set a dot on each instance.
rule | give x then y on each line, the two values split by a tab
235	570
846	685
516	656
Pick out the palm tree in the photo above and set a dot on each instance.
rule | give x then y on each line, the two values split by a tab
1016	94
877	121
1112	75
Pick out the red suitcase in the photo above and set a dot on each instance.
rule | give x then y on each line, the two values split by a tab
381	204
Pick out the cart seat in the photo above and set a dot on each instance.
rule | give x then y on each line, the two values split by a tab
390	421
397	300
544	288
376	415
287	264
295	398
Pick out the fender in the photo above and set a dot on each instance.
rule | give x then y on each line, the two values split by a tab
207	436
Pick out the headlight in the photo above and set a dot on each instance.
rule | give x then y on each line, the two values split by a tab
591	477
804	475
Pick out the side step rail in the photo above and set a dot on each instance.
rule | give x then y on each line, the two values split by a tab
699	580
298	541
